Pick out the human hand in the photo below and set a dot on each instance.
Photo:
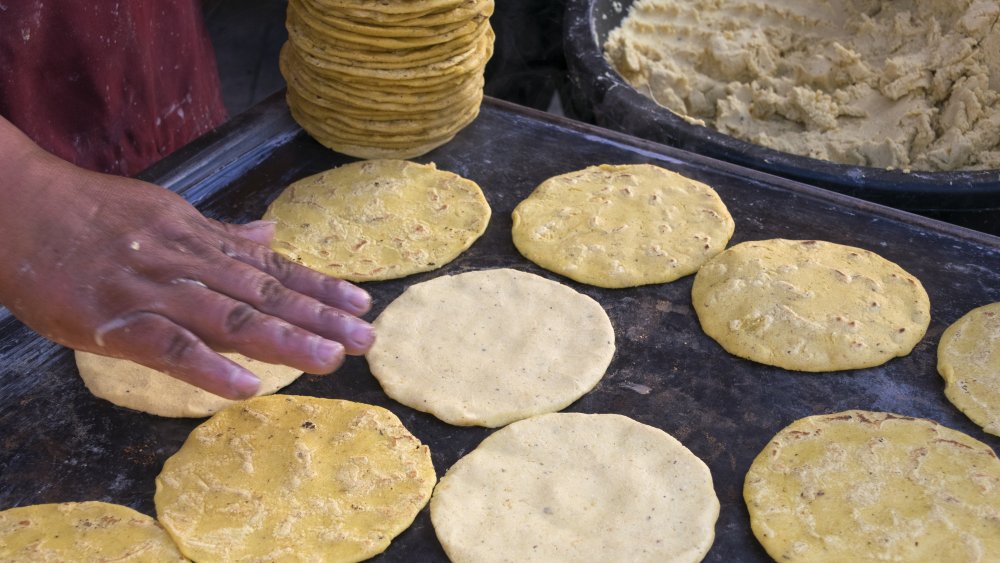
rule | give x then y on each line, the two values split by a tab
124	268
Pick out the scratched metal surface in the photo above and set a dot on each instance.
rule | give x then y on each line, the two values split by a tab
57	443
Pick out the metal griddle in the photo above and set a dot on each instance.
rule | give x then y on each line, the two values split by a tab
58	443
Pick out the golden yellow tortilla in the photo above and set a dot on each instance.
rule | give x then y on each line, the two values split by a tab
622	225
293	479
430	125
875	486
374	79
969	362
378	219
810	305
416	38
422	28
83	531
382	6
134	386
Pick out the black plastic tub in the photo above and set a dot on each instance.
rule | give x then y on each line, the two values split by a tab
598	94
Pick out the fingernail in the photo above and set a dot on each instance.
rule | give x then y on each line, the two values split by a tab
362	335
358	298
259	224
328	352
243	383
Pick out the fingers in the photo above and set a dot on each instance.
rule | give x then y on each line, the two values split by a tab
260	232
233	324
267	296
331	291
156	342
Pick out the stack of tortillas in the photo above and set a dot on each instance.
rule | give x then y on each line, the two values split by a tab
386	79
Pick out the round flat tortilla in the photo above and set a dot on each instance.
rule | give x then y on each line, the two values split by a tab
378	219
490	347
134	386
363	151
466	10
810	305
382	106
622	226
461	62
381	6
430	125
969	362
368	79
576	487
830	488
82	531
293	479
323	29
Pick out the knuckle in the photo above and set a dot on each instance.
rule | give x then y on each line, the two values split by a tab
238	318
278	266
271	292
180	347
331	316
227	248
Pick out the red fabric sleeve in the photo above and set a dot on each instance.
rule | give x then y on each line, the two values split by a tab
111	85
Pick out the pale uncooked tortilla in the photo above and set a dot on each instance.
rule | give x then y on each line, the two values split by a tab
911	85
378	219
810	305
134	386
490	347
576	487
622	225
83	531
289	478
969	362
839	487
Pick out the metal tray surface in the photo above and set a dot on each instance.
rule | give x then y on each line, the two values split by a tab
58	443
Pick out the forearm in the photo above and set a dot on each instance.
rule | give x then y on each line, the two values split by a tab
46	200
29	179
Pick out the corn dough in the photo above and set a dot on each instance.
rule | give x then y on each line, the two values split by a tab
810	305
969	362
576	487
134	386
838	487
290	478
622	225
907	84
378	219
83	531
490	347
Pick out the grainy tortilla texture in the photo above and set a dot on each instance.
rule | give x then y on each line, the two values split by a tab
904	84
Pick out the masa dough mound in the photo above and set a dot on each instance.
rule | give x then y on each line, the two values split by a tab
576	487
83	531
969	362
836	487
490	347
378	219
293	479
810	305
622	226
913	85
134	386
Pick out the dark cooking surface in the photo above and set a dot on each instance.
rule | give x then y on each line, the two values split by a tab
57	443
